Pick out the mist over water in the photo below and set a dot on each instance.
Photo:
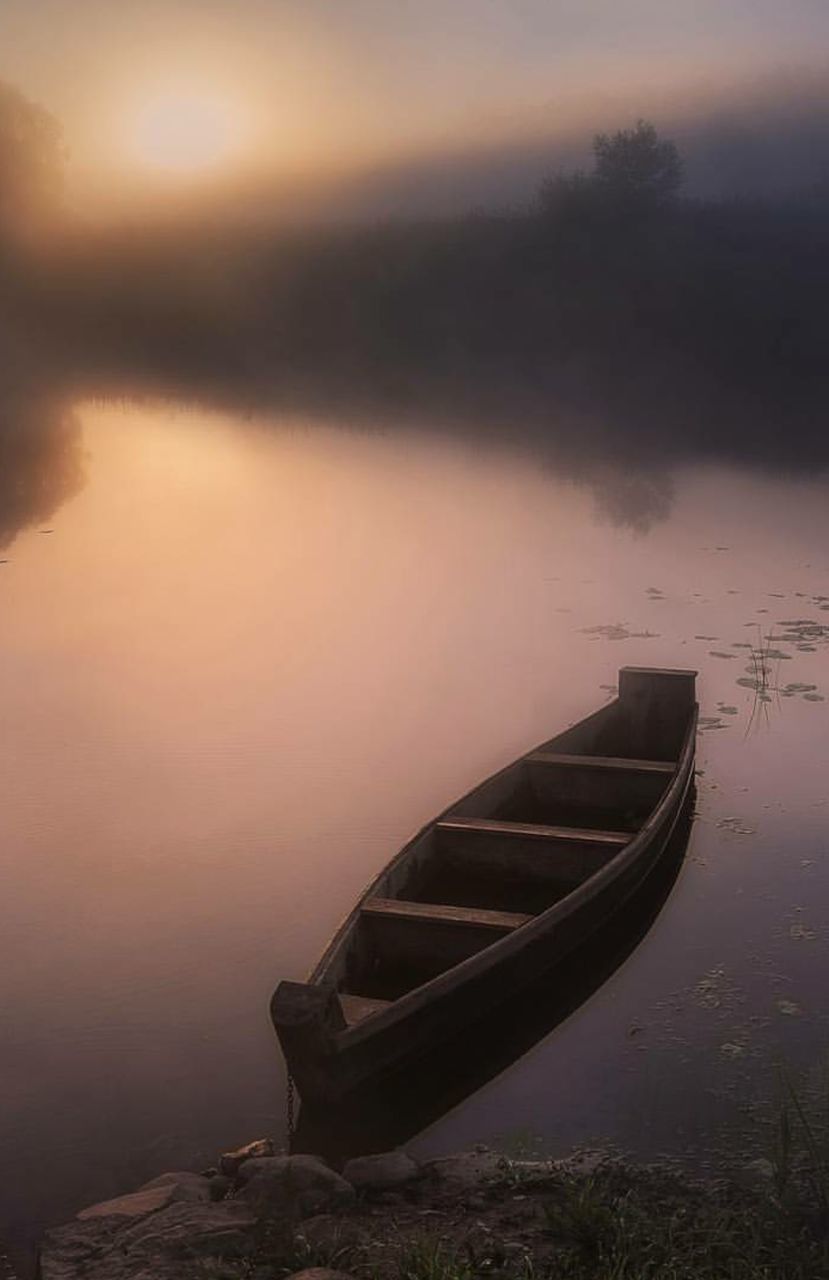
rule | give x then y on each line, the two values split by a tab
252	657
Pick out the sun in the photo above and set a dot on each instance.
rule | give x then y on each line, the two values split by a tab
184	132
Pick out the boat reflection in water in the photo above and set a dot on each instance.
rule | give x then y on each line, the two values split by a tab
547	875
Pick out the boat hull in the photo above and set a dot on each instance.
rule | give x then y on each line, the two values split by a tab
329	1060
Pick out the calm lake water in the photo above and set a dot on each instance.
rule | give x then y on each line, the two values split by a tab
245	661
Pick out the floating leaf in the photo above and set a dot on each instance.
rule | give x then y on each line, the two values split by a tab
736	826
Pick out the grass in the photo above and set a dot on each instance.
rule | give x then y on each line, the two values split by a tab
761	658
613	1229
800	1154
433	1260
617	1223
536	1220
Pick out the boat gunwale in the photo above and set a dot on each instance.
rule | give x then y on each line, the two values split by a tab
494	952
490	955
318	973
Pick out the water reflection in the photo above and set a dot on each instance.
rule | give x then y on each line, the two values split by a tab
41	459
254	657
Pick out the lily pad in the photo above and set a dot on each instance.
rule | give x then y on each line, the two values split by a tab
736	826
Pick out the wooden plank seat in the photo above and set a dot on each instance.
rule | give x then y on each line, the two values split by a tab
532	831
602	762
533	852
431	936
609	787
440	914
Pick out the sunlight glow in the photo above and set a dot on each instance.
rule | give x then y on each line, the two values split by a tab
185	131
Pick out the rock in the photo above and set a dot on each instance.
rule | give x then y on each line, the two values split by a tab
168	1188
219	1186
135	1205
222	1229
467	1169
155	1246
185	1186
320	1273
70	1251
231	1162
294	1185
380	1172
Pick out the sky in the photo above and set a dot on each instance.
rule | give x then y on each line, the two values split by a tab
304	85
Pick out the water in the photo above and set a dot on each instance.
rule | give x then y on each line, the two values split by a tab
250	658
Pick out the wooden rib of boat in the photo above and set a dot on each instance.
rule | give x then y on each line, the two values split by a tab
498	888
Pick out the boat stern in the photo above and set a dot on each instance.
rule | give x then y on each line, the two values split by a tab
657	705
306	1018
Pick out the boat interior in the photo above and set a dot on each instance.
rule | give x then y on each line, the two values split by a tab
513	846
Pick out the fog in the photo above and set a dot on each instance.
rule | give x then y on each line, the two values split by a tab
613	345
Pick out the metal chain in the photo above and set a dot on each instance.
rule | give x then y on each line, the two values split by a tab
289	1098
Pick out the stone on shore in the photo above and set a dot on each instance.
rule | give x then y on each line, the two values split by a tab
157	1243
466	1169
381	1172
167	1188
231	1161
320	1273
185	1186
298	1185
136	1204
221	1229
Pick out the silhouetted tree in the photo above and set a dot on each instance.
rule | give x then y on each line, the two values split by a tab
31	159
637	166
634	171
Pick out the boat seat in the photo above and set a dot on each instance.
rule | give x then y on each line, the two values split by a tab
357	1008
561	857
440	914
534	831
609	763
609	787
428	937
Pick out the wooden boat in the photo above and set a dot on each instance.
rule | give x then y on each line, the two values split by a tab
398	1104
501	886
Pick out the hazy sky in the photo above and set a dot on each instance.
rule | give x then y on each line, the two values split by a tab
311	82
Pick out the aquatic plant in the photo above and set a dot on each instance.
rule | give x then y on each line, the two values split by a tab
800	1157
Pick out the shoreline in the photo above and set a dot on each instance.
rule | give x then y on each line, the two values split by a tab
257	1215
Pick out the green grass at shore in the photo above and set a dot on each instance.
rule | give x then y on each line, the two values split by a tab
616	1223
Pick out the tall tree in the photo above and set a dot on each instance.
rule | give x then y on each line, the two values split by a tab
636	166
